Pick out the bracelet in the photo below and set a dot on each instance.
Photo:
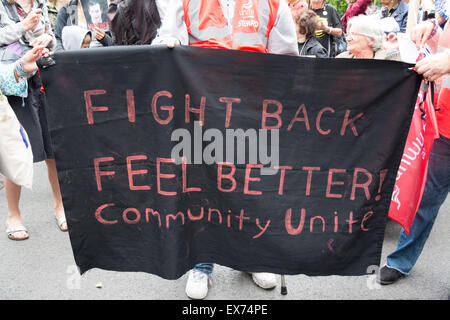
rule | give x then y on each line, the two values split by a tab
19	69
392	52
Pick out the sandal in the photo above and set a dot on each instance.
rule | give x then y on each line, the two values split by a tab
60	221
12	230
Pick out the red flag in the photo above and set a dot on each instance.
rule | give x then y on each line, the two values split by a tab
412	173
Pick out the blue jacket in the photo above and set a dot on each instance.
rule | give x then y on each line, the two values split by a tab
401	15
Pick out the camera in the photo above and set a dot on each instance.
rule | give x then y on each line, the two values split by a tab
429	15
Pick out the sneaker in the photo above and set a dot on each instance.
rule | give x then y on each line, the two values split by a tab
265	280
389	275
197	285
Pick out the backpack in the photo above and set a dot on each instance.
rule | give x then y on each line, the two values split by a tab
133	22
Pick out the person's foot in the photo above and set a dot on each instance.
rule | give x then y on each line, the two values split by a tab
389	275
197	285
15	229
61	219
264	280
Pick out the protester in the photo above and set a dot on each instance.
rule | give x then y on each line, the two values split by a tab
396	9
136	22
365	40
25	25
275	34
434	67
72	14
355	8
306	30
280	40
53	7
329	30
24	22
75	38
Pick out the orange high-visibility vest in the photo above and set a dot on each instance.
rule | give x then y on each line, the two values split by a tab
442	96
252	22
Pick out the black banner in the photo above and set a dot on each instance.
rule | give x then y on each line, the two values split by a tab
332	130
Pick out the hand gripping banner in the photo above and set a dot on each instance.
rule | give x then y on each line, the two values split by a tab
259	162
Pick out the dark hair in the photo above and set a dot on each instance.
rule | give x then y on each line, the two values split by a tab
307	23
94	2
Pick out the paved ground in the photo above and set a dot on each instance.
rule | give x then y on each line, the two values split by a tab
43	267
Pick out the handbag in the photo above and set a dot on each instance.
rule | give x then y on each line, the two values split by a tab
340	44
336	46
16	157
11	53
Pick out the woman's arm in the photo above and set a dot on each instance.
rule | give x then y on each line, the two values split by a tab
337	32
335	28
11	31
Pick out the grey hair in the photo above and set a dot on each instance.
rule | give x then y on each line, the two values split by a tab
389	25
369	27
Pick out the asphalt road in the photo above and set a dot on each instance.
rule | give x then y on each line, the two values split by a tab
43	267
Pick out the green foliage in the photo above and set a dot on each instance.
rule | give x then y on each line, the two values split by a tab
340	5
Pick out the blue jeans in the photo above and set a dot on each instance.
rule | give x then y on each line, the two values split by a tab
436	190
204	267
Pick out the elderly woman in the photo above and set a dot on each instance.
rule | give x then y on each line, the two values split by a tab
329	28
25	25
307	42
365	40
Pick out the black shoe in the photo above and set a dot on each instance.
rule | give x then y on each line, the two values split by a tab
388	275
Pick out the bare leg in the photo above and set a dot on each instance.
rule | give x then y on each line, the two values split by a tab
13	191
53	178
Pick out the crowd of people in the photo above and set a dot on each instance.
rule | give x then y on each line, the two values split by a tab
314	28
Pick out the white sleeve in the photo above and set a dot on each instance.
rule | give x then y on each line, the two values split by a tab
172	24
283	38
161	5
